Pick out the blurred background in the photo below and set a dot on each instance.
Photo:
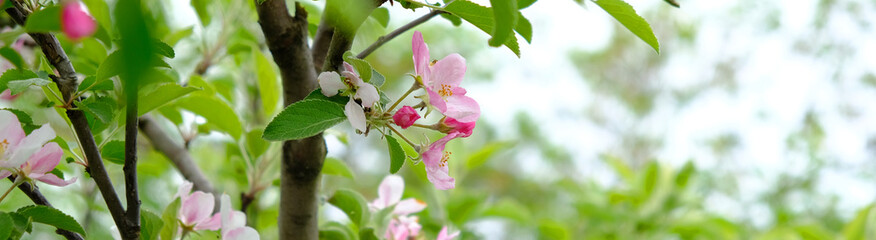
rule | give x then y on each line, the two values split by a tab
751	123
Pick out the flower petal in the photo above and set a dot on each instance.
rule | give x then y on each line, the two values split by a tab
330	83
183	191
462	108
368	94
356	115
389	192
196	208
448	71
444	236
409	206
230	219
436	171
242	233
46	158
436	101
213	223
4	174
55	180
350	68
29	145
10	129
75	22
421	53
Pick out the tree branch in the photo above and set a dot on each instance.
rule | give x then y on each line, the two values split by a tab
132	196
301	159
321	42
178	155
38	198
385	38
67	84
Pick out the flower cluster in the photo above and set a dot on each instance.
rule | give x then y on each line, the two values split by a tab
195	215
440	80
29	157
402	225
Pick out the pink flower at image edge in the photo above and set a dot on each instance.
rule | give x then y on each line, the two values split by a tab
75	22
32	154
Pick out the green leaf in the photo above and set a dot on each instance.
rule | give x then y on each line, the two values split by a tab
627	16
485	153
110	67
163	49
171	224
150	225
12	56
19	86
303	119
114	152
521	4
174	37
377	79
550	229
505	15
201	9
396	154
14	74
45	20
101	107
269	86
367	234
254	142
51	216
317	94
456	21
381	15
215	111
481	17
335	231
362	67
20	225
353	204
6	225
682	178
334	166
524	28
90	84
162	95
100	11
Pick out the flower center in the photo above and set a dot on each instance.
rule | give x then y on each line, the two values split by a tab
444	159
3	146
445	91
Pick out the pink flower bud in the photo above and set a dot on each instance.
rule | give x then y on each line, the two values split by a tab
75	22
451	125
405	117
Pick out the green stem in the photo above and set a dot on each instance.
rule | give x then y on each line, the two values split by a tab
397	101
17	182
401	136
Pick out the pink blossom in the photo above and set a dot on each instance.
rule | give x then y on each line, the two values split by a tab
444	236
31	156
330	83
403	228
389	193
451	125
234	222
405	117
75	22
7	95
196	208
441	79
436	159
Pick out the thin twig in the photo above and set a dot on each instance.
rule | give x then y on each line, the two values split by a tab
384	39
67	84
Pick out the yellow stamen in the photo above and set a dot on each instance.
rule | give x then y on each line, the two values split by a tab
445	91
444	159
